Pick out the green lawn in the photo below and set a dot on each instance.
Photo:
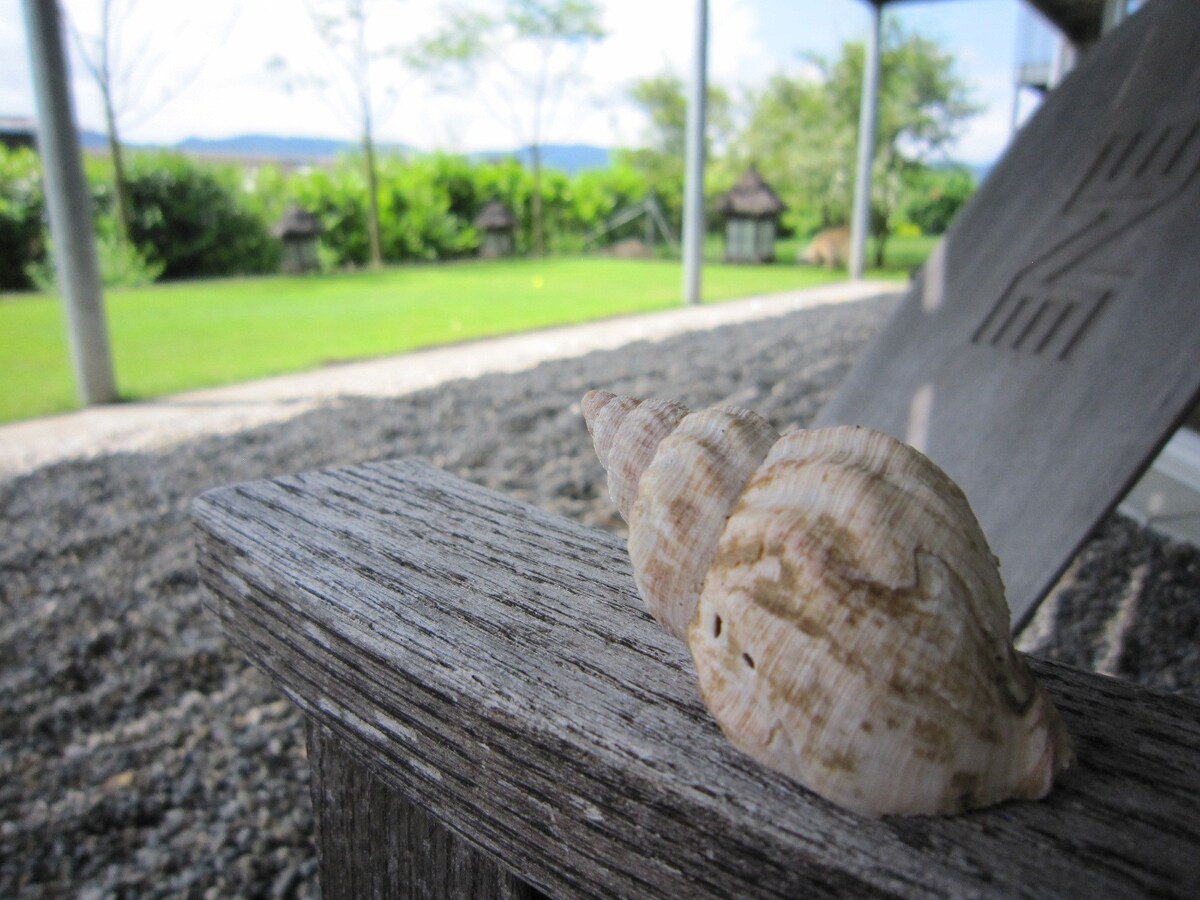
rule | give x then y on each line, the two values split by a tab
175	337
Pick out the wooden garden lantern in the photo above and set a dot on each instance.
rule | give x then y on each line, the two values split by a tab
497	223
751	210
299	231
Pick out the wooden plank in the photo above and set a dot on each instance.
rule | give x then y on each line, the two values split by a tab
376	845
494	663
1050	346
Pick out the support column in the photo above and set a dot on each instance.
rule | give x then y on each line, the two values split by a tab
69	206
693	185
860	221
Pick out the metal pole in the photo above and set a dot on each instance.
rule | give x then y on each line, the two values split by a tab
69	206
860	221
693	188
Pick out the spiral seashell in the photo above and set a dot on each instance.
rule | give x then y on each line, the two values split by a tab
844	612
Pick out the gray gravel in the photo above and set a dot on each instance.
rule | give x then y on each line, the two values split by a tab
140	756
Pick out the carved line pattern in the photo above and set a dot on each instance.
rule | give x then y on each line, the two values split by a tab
1052	302
1040	323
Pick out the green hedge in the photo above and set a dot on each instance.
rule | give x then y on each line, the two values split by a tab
22	214
193	219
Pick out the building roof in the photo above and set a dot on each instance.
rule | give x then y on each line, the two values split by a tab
18	123
495	216
297	222
17	131
1080	20
751	196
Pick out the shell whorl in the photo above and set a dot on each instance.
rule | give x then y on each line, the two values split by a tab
844	612
675	476
639	426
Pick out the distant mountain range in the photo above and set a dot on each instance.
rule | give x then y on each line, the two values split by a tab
569	158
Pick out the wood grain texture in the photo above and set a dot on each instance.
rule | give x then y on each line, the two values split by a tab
492	662
376	845
1049	348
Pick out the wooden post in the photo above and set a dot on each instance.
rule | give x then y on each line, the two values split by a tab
69	206
693	188
860	223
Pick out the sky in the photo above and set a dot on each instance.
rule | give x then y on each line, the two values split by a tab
204	69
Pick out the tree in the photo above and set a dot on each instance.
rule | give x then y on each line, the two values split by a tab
922	106
514	56
343	27
935	196
803	130
802	149
127	79
664	101
660	158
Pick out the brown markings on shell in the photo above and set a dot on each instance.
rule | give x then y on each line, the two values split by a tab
862	621
873	580
603	412
842	574
683	500
641	431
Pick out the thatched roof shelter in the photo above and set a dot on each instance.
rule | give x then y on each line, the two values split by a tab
751	210
497	223
298	230
297	223
751	198
495	216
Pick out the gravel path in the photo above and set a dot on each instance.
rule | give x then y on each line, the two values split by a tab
140	756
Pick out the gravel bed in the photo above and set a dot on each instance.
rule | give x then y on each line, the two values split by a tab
141	756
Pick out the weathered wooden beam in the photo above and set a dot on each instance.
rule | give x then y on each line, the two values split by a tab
374	844
493	664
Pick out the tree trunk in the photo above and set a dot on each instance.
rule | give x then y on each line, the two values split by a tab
880	247
539	234
372	200
120	185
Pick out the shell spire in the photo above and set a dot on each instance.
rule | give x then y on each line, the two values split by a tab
844	612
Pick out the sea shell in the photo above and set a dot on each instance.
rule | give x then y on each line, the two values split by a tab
844	612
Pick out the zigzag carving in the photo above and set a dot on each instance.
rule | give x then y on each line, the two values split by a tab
1055	299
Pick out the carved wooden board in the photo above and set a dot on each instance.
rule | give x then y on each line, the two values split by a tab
1052	343
493	663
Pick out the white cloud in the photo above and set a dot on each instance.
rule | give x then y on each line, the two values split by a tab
987	134
232	93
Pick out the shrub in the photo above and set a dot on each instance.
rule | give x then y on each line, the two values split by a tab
427	207
191	219
337	196
22	217
121	263
595	197
194	220
935	196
